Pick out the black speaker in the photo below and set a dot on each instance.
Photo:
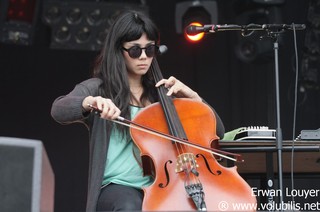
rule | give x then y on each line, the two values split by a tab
26	176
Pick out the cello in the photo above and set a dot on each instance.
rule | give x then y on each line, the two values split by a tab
177	142
185	178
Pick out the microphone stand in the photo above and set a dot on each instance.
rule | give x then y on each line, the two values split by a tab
279	139
273	31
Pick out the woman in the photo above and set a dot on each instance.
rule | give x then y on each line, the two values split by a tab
121	84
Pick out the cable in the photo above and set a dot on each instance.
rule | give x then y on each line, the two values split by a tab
295	107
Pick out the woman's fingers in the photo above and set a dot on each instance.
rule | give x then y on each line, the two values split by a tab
108	109
167	82
178	89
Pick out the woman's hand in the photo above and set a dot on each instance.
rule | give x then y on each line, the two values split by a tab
178	89
108	109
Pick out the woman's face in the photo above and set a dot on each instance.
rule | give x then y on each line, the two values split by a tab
138	66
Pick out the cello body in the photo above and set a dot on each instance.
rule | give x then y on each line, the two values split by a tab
176	166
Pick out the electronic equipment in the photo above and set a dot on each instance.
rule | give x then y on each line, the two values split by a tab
310	134
256	133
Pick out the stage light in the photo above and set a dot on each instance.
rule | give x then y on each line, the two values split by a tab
197	37
18	20
94	17
202	12
21	10
254	49
62	34
52	14
82	25
74	16
255	46
82	35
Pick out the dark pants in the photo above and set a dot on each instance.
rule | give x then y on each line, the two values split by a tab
115	197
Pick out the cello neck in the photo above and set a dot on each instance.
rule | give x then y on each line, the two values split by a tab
172	118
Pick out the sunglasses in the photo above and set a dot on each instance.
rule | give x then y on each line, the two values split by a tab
136	51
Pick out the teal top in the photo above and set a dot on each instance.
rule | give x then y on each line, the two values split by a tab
122	167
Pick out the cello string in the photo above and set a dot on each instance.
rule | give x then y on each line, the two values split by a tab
169	113
132	124
173	138
179	140
165	103
120	121
175	128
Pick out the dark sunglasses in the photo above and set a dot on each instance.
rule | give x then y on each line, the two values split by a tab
136	51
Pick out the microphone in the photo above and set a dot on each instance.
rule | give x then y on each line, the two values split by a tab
193	30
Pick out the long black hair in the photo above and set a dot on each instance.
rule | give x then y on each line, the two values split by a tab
110	66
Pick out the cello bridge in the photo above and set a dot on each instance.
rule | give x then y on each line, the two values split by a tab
186	161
